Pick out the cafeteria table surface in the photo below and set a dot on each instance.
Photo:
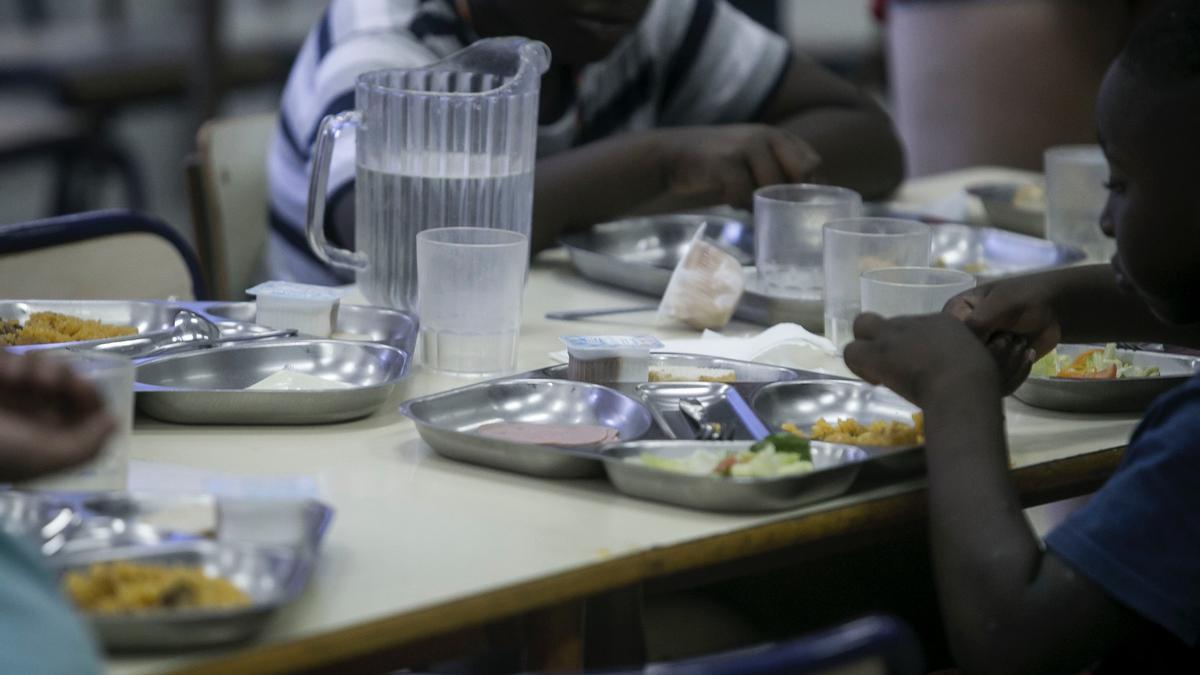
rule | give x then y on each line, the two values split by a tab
422	546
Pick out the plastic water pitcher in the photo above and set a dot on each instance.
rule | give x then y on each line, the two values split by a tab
451	144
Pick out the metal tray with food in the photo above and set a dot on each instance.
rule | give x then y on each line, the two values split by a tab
679	472
1103	379
639	254
528	425
353	322
276	382
1018	207
989	253
28	325
207	571
671	367
815	408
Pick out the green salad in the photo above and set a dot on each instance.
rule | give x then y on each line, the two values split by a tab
1092	364
774	456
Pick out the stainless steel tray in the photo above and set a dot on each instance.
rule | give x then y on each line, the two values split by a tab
267	549
1129	395
640	253
354	322
804	402
744	371
834	469
145	315
208	386
989	253
662	398
446	422
997	199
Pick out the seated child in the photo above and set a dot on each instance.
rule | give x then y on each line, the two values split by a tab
49	420
1118	583
648	106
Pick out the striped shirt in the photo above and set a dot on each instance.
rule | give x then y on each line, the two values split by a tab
688	62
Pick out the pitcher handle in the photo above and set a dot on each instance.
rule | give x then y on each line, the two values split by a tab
331	127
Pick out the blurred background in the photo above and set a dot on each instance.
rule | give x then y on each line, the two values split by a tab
100	101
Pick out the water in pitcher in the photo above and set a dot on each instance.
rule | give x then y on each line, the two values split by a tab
422	191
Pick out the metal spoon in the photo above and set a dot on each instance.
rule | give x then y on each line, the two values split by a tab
188	331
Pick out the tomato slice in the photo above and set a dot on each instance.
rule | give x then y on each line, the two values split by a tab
1080	362
1109	373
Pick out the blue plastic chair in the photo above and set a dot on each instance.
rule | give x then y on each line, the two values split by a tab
880	640
44	235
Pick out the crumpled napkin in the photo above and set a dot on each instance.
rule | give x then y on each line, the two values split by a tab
785	344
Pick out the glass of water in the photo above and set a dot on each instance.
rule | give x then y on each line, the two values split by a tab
787	234
112	377
470	283
1075	197
904	291
855	245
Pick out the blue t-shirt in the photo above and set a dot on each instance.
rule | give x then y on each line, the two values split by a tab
39	633
1139	536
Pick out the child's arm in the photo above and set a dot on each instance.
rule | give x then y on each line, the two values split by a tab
1078	304
1009	607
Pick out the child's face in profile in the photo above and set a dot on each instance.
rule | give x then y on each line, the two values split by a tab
1152	140
577	31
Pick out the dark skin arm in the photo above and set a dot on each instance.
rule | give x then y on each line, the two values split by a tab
1009	606
1079	304
814	126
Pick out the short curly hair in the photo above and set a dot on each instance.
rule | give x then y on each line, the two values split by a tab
1165	47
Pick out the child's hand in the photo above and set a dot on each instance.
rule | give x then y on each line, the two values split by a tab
728	163
50	419
920	356
1019	307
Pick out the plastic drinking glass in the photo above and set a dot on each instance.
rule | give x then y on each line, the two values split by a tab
855	245
470	282
112	377
788	237
902	291
1075	197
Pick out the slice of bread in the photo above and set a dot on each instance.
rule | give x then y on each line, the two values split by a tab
691	374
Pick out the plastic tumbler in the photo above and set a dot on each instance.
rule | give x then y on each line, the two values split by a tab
788	238
1075	197
470	282
903	291
112	377
855	245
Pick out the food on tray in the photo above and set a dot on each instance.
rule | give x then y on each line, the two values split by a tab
121	587
691	374
1031	197
291	380
1092	364
777	455
978	267
51	327
851	431
562	435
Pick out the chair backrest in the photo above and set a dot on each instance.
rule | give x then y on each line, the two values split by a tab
874	645
98	255
229	201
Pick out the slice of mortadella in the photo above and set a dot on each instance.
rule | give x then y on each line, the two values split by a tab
564	435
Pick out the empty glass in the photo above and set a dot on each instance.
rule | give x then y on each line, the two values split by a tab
903	291
855	245
470	282
787	234
112	377
1075	197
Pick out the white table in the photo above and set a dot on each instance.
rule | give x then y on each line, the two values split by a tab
422	545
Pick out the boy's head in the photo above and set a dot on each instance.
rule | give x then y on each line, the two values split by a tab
1149	123
578	32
